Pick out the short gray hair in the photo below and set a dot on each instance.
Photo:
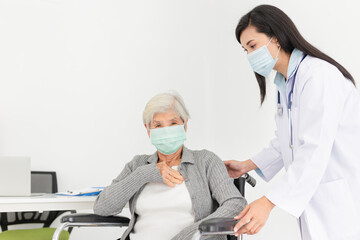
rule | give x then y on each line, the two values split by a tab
165	102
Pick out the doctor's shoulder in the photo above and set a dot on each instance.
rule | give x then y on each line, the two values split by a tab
316	69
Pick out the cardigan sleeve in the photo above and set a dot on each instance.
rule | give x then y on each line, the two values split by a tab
113	198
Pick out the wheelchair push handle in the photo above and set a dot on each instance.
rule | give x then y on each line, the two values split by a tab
249	179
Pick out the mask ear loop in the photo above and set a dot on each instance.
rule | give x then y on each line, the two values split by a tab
269	41
277	54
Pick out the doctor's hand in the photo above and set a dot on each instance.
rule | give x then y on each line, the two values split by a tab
254	216
169	175
238	168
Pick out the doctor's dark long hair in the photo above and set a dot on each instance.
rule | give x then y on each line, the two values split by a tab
274	22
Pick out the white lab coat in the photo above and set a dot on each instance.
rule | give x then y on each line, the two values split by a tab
322	180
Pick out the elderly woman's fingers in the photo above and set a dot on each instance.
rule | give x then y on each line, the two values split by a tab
169	183
170	176
176	174
173	180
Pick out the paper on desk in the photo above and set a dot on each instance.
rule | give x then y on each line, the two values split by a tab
90	191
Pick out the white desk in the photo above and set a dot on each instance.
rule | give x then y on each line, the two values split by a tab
46	202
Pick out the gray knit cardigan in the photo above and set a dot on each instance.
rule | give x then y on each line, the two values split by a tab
212	191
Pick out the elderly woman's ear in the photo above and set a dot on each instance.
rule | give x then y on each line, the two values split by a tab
147	129
185	124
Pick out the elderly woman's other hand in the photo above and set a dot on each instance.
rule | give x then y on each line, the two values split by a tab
170	176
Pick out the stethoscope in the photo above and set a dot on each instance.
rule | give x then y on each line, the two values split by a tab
289	104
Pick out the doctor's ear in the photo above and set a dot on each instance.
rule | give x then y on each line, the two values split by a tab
275	40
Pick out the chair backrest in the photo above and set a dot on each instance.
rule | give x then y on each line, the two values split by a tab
41	182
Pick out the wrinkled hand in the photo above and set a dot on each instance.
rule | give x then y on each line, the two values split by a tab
238	168
254	216
169	175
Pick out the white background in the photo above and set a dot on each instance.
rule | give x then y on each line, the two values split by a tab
75	77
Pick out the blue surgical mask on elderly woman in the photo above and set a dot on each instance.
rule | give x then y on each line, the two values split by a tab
168	139
261	60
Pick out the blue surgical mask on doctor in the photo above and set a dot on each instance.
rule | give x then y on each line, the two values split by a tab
168	140
261	60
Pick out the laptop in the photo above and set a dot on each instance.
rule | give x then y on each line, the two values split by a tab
15	176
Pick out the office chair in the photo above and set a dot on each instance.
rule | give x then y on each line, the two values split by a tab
41	182
216	226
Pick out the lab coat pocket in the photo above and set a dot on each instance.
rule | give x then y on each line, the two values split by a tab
331	213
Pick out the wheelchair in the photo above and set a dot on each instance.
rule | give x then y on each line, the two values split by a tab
211	227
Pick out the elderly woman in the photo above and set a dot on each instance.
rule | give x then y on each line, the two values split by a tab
173	190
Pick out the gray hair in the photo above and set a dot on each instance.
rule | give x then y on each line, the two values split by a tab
165	102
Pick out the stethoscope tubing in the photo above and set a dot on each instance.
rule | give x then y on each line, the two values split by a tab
289	104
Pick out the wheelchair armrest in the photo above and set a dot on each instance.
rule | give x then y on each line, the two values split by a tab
89	220
93	218
216	226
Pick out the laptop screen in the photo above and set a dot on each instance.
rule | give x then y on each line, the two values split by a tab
15	176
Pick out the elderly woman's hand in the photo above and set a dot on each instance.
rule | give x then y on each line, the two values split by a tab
170	176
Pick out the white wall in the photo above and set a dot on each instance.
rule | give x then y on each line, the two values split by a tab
75	77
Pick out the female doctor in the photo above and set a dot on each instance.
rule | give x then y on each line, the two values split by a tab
318	132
